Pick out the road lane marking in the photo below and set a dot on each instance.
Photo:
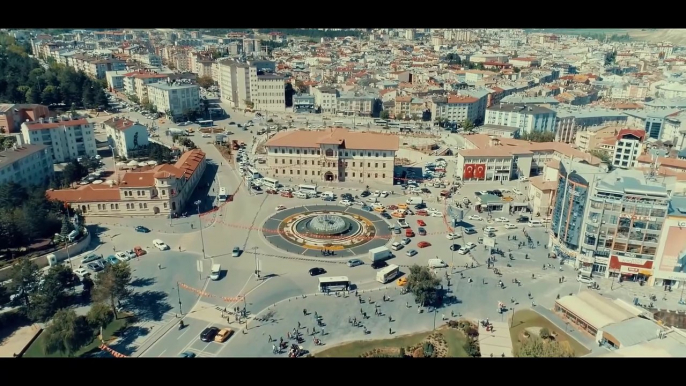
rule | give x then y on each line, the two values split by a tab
162	353
182	334
192	341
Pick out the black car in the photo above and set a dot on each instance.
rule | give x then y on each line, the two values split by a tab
420	206
208	334
96	266
142	229
470	231
365	193
379	264
455	247
522	219
316	271
385	215
347	196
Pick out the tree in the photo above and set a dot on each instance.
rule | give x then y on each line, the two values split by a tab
50	95
51	295
385	114
66	333
73	172
112	285
602	154
468	126
133	98
67	227
34	95
544	333
86	285
25	277
147	105
538	136
423	285
100	315
205	81
535	347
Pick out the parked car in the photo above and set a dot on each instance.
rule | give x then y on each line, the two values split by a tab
421	223
139	251
411	252
142	229
208	334
423	244
236	252
355	262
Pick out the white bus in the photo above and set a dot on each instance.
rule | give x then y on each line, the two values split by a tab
254	173
270	183
308	189
223	196
337	283
387	274
394	124
338	123
380	122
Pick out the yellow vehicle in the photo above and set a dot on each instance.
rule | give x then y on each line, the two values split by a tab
379	209
223	335
398	215
191	130
402	281
402	206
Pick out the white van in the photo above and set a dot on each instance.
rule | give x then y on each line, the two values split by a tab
396	246
328	194
536	223
414	201
437	263
300	195
216	272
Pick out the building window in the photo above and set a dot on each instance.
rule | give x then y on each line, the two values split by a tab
376	164
376	175
290	151
353	174
290	161
297	152
383	165
283	171
369	175
276	171
369	164
329	152
291	171
305	172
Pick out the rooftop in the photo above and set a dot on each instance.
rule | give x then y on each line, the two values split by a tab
120	124
629	181
340	136
595	309
52	125
522	109
12	155
171	86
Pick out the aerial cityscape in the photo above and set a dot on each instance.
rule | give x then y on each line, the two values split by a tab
342	193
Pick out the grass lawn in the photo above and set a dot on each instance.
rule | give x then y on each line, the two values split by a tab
36	350
526	318
454	338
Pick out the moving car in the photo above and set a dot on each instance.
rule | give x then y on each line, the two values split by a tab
470	245
365	193
316	271
475	217
280	207
236	252
345	203
208	334
187	354
452	236
385	215
470	231
159	244
510	226
354	262
455	247
81	272
423	244
411	252
142	229
379	264
421	223
463	251
421	231
489	229
406	241
223	335
402	281
502	219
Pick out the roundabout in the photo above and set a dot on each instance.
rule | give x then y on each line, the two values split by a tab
307	230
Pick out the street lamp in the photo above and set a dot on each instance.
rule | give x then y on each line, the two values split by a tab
178	292
202	239
257	266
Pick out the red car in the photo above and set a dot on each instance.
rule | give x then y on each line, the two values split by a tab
422	212
421	223
392	207
423	244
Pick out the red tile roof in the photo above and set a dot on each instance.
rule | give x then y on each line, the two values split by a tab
636	133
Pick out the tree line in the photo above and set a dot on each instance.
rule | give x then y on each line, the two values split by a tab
49	296
24	80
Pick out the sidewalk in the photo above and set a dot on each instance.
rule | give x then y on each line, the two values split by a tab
497	342
580	337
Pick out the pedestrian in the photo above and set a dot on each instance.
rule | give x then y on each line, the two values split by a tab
443	317
315	315
159	266
307	330
390	331
179	248
270	338
390	319
407	304
304	311
298	325
361	312
288	334
274	348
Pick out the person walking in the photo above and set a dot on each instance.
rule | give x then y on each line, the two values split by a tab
159	266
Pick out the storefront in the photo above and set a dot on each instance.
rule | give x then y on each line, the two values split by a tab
669	280
630	268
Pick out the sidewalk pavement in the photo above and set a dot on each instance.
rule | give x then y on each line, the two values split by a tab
580	337
496	343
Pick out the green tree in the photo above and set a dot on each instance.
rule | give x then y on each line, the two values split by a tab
51	295
535	347
67	227
538	136
385	114
24	276
544	333
468	126
86	285
113	285
602	154
133	98
99	315
423	284
205	82
88	97
73	172
50	95
34	95
66	334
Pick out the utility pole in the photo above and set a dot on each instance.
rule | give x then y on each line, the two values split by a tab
202	238
257	264
178	292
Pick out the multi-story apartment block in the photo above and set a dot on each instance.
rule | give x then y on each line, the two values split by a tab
628	147
125	136
525	62
325	98
136	83
148	59
268	92
455	108
353	104
27	165
161	190
402	106
593	137
12	115
67	139
332	155
242	84
174	98
115	80
94	66
669	268
528	118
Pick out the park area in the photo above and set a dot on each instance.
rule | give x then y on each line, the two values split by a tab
445	342
535	336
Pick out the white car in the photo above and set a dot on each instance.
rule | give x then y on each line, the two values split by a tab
516	191
125	255
376	194
384	194
463	251
523	179
280	207
435	214
502	219
475	217
159	244
345	203
81	272
452	236
510	226
470	245
489	229
206	135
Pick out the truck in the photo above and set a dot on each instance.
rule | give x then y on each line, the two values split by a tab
177	131
415	200
437	263
234	144
379	254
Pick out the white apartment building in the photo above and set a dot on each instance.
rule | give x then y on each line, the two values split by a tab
244	84
176	98
124	135
325	98
27	165
527	117
455	108
352	104
115	79
148	59
332	155
628	148
67	139
136	83
268	92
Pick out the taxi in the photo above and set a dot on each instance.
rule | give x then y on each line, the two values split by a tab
402	281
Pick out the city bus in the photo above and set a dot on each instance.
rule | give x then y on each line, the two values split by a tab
223	196
254	173
387	274
393	124
308	189
337	283
338	123
270	183
206	123
380	122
